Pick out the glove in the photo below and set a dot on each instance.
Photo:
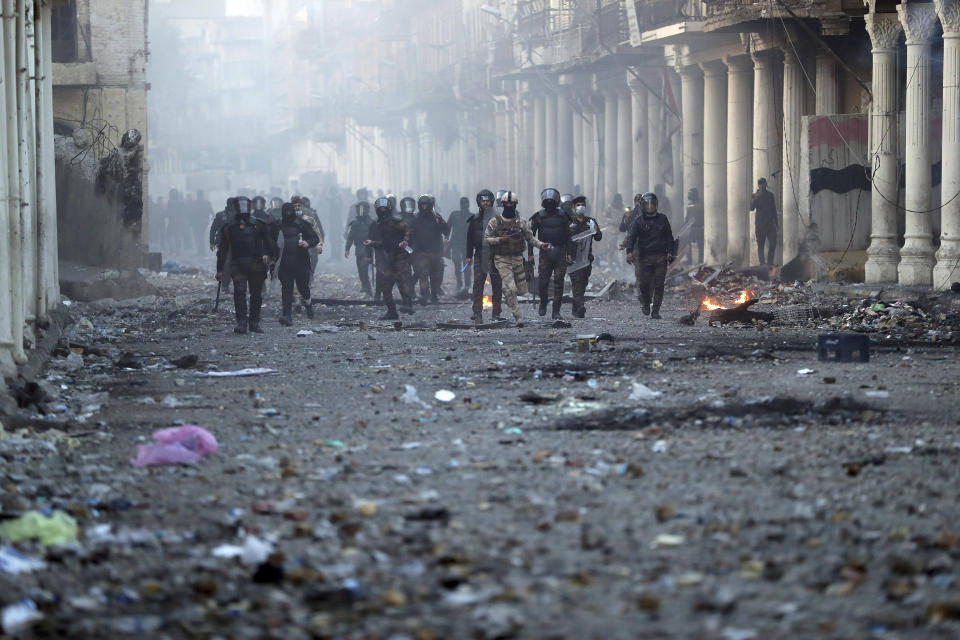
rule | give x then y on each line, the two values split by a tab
670	259
219	277
629	258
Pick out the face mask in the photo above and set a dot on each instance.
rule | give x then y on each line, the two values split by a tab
509	212
299	213
581	210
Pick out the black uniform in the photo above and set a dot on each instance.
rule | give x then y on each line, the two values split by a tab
650	243
580	277
358	231
247	242
479	255
429	228
216	230
294	267
393	262
553	226
625	224
457	221
766	225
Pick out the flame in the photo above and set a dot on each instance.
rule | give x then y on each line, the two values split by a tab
487	302
711	305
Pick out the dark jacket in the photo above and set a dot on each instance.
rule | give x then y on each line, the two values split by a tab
765	205
476	226
553	227
357	232
628	219
457	221
428	232
216	227
246	243
293	255
386	237
650	236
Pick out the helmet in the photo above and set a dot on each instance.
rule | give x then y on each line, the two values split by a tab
288	211
306	202
381	206
499	198
408	205
276	203
242	206
393	201
549	198
259	203
361	194
649	203
509	203
566	202
363	208
637	198
464	203
425	203
484	194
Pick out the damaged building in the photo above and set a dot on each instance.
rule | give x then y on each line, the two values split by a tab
99	52
848	110
29	288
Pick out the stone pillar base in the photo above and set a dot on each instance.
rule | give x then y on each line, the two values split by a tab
882	263
947	269
916	268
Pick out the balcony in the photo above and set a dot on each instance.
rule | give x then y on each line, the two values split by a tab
663	21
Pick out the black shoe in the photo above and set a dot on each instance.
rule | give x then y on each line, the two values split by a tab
286	321
556	316
255	327
580	313
308	309
422	300
241	328
434	300
407	310
645	307
655	315
543	307
477	319
519	321
498	318
390	315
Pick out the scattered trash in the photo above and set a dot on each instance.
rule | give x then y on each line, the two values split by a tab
15	563
516	431
253	551
326	328
444	395
805	372
128	361
304	332
410	397
667	540
874	393
660	446
73	362
20	616
640	391
186	362
235	374
177	445
56	529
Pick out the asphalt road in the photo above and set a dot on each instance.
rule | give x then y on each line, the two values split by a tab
729	497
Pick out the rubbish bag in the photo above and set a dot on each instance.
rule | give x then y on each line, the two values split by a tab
55	529
177	445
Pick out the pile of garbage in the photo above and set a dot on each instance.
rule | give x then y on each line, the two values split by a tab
931	320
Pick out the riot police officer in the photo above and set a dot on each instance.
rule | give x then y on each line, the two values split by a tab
650	243
389	239
296	239
552	226
250	249
478	255
429	230
457	221
358	232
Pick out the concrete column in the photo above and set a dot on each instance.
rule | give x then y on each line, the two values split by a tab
692	113
610	101
793	101
27	138
6	232
739	157
625	144
590	155
654	139
828	98
539	144
916	257
640	140
883	255
766	142
947	269
714	163
413	158
578	148
527	162
426	184
565	139
550	135
48	289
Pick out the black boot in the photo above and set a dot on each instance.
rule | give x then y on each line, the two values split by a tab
580	313
655	314
645	307
543	307
391	313
556	311
240	307
308	308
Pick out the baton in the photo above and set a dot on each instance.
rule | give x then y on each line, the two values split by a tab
465	267
216	305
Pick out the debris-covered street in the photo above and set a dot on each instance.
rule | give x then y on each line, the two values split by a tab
414	482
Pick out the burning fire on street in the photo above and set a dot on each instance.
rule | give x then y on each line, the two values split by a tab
487	302
711	304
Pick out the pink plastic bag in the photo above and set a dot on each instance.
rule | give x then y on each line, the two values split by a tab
177	445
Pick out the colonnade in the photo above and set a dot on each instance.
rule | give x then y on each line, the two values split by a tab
29	274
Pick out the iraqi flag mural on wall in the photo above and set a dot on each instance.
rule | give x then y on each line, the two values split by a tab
834	165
